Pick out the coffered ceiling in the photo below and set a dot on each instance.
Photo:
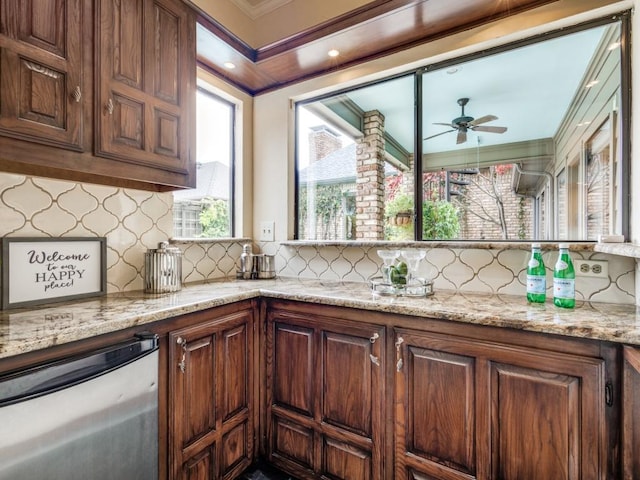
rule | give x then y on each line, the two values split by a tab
274	43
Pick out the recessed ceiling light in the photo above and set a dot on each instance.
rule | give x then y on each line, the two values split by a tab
229	65
333	53
592	83
453	70
614	45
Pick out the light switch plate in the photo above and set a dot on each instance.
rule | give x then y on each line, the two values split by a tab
267	231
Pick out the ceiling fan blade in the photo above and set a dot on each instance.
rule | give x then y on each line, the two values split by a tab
490	129
447	124
485	119
462	136
438	134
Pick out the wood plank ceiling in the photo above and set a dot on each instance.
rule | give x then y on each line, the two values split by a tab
379	28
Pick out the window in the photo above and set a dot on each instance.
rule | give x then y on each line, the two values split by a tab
350	165
527	141
207	210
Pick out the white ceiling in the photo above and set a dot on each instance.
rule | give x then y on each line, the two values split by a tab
529	89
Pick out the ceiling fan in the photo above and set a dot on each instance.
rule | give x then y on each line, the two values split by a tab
464	123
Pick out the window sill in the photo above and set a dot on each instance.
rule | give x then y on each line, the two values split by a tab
480	245
183	240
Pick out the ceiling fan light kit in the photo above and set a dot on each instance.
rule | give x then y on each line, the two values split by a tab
464	123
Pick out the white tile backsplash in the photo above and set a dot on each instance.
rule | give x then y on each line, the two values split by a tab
482	270
133	221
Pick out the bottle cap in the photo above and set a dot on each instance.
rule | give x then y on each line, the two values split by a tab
564	246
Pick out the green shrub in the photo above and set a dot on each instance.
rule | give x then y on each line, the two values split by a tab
439	220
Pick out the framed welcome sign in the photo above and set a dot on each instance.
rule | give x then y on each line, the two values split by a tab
43	270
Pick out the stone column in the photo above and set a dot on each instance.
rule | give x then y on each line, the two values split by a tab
370	179
408	178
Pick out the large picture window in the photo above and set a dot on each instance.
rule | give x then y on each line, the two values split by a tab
524	142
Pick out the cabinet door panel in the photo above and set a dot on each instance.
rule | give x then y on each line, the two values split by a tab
146	55
199	467
441	407
126	22
235	374
344	461
234	447
166	128
293	442
42	90
548	447
294	368
436	409
41	72
166	37
325	395
42	24
199	382
347	382
211	387
128	122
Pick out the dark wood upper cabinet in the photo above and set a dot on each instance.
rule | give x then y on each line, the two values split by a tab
42	81
110	84
146	83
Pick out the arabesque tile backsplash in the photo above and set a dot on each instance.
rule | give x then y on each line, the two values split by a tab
133	221
493	270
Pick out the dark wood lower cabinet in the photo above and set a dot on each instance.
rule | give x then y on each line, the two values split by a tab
211	398
326	392
631	414
324	395
467	409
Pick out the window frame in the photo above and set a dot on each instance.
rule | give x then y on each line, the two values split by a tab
205	88
624	111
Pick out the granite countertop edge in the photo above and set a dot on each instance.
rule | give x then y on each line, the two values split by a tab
28	330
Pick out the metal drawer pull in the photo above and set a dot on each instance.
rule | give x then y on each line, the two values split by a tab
182	365
375	360
109	107
399	362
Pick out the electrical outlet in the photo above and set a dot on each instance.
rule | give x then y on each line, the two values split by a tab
591	268
266	231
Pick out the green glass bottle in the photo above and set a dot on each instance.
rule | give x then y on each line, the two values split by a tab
536	276
564	283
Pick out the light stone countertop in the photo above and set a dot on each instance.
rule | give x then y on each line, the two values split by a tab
25	330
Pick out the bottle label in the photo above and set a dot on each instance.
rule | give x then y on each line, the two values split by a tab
561	265
564	288
536	284
533	263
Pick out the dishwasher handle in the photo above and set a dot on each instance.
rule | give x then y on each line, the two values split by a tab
53	376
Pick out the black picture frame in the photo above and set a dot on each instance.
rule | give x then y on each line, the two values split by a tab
40	270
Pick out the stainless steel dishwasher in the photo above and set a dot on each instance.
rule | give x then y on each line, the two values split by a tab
90	417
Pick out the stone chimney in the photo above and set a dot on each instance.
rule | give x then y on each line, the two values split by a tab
322	142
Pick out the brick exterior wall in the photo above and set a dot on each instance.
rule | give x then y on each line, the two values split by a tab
322	142
480	216
370	179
